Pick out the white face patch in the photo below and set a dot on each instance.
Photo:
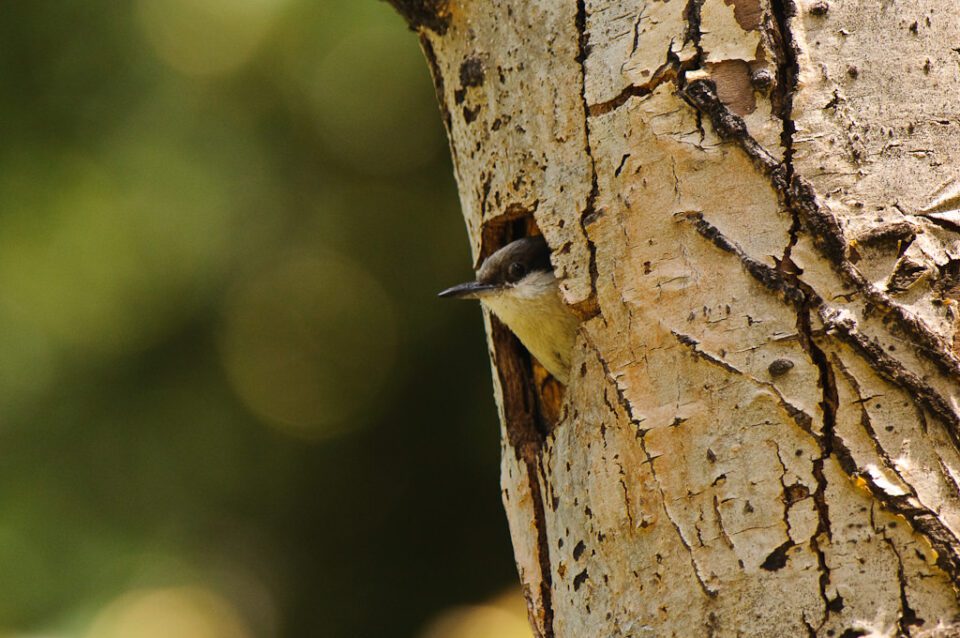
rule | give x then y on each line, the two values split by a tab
535	284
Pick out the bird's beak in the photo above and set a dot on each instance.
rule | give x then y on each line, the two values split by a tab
469	290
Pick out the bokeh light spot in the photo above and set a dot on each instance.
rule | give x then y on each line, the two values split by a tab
309	342
207	37
364	130
184	612
502	617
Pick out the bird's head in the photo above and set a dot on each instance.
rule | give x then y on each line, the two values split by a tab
521	269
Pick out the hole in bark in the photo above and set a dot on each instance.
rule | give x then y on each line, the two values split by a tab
579	579
519	370
578	550
777	558
836	605
796	492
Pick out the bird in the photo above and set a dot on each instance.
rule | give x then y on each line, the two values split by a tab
518	285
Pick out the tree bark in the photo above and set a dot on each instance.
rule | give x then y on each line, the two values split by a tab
754	206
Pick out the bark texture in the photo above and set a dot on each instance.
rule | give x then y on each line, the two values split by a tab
755	206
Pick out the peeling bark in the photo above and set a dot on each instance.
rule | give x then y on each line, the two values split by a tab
755	208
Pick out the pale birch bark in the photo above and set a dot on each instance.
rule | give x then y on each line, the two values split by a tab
754	206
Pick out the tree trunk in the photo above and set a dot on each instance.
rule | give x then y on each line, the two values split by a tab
753	204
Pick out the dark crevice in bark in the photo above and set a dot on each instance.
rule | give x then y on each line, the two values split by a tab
525	434
669	71
771	278
828	406
908	617
845	327
692	14
778	558
897	234
601	108
867	423
925	521
419	14
589	213
543	547
702	95
787	72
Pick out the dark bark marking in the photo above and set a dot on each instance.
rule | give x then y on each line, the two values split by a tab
899	234
420	14
578	550
908	617
579	579
780	367
771	278
777	558
472	73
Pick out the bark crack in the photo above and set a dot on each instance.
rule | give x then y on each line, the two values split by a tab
828	406
626	493
524	434
589	213
666	72
787	73
867	424
772	278
788	501
709	592
907	617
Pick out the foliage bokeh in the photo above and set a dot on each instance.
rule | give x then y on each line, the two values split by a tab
230	403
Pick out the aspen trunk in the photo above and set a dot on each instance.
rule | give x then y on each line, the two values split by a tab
755	207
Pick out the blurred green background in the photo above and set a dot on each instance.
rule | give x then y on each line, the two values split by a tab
231	405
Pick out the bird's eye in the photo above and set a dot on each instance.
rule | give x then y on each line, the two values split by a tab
516	272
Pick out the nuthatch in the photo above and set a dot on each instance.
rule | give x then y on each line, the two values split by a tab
517	284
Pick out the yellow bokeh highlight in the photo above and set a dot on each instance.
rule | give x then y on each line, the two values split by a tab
181	612
308	343
502	617
207	37
356	124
